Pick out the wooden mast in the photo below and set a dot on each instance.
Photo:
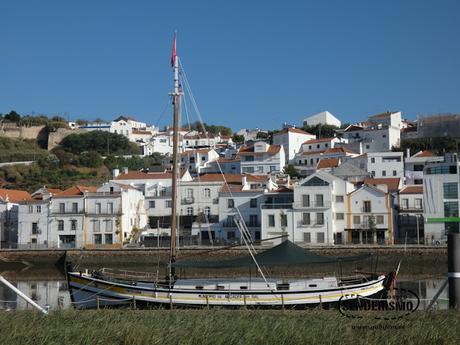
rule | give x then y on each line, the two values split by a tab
176	95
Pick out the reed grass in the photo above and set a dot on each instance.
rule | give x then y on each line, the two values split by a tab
216	327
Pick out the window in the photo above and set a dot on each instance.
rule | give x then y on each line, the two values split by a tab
253	203
253	221
97	239
283	220
189	193
418	167
189	211
380	219
339	198
98	208
73	224
271	220
367	206
405	203
306	200
320	237
108	238
384	173
60	225
450	209
96	226
207	210
320	218
372	160
394	173
39	208
309	147
61	207
418	181
306	218
168	203
373	173
31	209
108	225
207	193
447	169
356	220
231	235
307	237
151	203
319	202
367	146
74	207
110	207
450	190
418	204
34	228
384	135
230	203
339	216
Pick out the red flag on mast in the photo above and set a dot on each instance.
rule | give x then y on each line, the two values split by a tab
173	53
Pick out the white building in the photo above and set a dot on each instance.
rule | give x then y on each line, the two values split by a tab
307	162
374	138
317	215
262	158
385	164
324	118
33	225
415	164
440	199
9	205
160	143
291	139
197	161
410	216
370	216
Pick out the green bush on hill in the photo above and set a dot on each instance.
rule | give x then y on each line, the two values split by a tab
101	142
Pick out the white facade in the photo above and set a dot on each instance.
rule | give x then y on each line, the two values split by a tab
375	138
291	139
33	225
262	158
385	164
324	117
317	215
197	161
414	166
160	143
440	199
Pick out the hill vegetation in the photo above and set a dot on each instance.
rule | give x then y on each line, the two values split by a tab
13	150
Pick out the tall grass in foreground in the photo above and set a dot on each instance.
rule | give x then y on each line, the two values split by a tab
223	327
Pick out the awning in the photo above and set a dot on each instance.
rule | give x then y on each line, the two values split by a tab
286	253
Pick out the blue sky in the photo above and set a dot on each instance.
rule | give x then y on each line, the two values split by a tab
250	63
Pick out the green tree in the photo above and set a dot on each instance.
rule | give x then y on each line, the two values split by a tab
291	171
321	130
13	116
239	139
90	159
99	141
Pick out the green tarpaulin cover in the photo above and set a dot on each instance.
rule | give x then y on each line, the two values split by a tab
286	253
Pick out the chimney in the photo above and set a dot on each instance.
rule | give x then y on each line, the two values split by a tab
115	173
244	180
408	152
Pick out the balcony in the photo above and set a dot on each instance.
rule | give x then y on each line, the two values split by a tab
187	201
315	205
311	224
106	213
276	206
69	212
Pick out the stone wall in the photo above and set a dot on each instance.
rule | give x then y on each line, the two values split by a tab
20	132
54	138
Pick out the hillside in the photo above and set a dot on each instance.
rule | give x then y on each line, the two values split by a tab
12	150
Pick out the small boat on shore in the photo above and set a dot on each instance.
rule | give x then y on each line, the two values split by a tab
101	288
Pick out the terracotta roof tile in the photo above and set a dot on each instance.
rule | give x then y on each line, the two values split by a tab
320	140
216	177
415	189
14	195
140	175
272	150
78	190
424	154
328	163
391	182
292	130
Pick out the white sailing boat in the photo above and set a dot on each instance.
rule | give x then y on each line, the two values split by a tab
103	288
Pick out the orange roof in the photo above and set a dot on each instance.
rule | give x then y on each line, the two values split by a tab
78	190
415	189
54	190
382	115
217	177
292	130
328	163
338	150
272	149
140	175
424	154
191	152
320	140
256	178
391	182
14	195
353	128
126	186
229	160
309	153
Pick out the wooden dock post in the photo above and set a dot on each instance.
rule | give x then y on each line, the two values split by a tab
97	302
134	302
453	263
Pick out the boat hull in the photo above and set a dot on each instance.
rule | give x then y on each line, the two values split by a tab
88	292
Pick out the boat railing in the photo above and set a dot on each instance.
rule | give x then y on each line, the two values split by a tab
127	274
